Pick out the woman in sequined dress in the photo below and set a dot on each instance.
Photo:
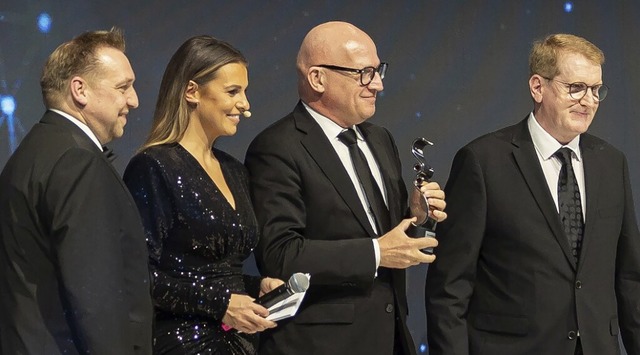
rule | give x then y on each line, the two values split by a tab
195	205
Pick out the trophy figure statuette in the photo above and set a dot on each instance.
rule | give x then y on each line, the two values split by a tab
425	226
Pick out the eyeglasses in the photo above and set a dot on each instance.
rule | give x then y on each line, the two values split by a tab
366	74
578	90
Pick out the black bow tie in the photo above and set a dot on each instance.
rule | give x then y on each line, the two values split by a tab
108	152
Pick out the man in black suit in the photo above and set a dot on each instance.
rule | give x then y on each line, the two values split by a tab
73	259
309	202
523	266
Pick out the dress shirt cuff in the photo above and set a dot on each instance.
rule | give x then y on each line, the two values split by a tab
376	250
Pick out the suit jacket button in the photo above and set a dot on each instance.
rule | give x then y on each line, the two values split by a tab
389	308
571	335
578	284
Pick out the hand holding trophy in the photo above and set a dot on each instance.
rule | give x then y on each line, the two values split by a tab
425	226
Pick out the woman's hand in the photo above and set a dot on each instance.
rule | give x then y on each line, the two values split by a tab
246	316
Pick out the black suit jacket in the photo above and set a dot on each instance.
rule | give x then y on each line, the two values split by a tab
73	259
312	221
505	282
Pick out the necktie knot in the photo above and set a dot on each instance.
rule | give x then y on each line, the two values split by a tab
564	154
348	137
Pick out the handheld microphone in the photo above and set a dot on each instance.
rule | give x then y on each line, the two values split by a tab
298	282
246	113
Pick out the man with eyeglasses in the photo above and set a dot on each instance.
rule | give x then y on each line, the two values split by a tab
541	250
328	192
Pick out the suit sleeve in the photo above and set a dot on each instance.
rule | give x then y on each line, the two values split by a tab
282	188
451	278
178	295
85	230
628	273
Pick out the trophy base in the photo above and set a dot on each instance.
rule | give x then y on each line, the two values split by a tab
415	231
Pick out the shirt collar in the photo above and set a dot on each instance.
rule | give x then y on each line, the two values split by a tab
81	125
545	144
330	128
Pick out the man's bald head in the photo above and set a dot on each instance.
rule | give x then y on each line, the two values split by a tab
330	41
339	44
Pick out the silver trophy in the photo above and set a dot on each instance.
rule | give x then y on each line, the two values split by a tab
425	226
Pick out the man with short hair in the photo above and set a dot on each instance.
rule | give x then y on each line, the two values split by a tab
541	250
328	192
73	260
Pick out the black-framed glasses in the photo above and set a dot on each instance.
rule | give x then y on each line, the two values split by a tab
579	89
366	74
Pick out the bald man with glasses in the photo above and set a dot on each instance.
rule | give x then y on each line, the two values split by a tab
328	193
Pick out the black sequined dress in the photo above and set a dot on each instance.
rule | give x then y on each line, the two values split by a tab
197	243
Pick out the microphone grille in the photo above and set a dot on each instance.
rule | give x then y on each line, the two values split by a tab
298	282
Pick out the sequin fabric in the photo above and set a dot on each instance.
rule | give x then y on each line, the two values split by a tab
197	243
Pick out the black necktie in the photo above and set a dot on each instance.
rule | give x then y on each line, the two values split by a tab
569	203
368	183
108	152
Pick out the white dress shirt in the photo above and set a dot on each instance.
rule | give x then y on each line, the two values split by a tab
546	146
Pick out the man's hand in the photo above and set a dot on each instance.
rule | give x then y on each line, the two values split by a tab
398	251
269	284
435	197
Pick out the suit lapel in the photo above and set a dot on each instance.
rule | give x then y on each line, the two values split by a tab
527	160
591	164
322	152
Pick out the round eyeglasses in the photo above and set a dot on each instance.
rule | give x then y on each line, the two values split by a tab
578	90
366	74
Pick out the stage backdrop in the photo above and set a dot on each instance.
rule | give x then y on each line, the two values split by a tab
458	69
